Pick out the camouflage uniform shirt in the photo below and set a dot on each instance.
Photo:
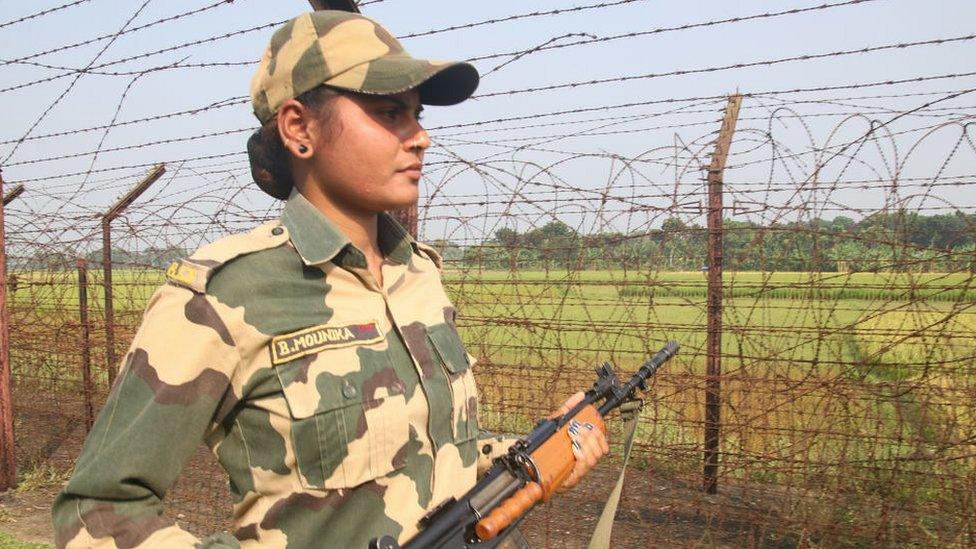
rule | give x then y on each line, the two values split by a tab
340	410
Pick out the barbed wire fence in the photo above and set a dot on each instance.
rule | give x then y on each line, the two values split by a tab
844	389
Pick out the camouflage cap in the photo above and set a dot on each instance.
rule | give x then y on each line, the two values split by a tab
348	51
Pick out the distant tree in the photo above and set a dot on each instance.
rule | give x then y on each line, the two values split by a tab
508	238
153	257
449	251
675	242
740	245
882	241
557	242
841	224
509	242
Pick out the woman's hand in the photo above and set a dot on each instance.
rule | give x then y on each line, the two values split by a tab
592	445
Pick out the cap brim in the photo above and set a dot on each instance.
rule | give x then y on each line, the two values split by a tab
450	85
437	83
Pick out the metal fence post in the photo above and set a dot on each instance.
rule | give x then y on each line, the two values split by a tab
8	462
408	218
109	299
713	342
13	194
344	5
86	377
110	215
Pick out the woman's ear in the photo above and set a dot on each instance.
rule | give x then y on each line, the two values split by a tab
293	128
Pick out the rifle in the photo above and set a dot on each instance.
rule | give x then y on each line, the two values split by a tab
531	471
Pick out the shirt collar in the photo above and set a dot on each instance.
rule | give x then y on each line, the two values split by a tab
318	240
315	237
394	241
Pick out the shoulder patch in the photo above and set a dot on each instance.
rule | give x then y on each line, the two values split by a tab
188	274
432	254
195	271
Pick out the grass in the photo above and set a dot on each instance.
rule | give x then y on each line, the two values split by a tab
36	478
8	541
854	385
804	405
56	290
42	475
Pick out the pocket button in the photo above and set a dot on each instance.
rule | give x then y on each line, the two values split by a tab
348	390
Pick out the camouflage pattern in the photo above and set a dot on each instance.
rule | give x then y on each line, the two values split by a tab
348	51
340	410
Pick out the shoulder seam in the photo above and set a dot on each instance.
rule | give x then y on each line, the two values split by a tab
196	271
432	254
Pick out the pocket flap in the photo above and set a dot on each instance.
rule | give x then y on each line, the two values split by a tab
448	345
307	398
309	390
304	362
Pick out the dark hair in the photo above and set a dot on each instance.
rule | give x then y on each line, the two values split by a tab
269	158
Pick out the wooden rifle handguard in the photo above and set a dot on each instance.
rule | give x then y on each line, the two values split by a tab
554	462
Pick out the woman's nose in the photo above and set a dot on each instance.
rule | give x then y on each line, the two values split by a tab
420	139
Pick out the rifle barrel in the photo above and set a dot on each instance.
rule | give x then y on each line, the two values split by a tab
643	373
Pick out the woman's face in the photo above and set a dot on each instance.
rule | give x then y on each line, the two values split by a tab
369	153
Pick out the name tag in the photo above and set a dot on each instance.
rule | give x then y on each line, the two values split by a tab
319	338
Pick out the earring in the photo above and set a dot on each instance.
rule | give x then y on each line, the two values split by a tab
302	148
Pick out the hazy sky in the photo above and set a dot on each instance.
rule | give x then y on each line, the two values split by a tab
606	167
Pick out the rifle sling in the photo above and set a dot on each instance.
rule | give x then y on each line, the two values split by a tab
629	413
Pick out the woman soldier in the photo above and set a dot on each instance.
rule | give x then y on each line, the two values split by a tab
317	355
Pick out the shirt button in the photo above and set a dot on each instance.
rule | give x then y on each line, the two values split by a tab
348	390
277	231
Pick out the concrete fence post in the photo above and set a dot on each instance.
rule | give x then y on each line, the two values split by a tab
713	341
8	462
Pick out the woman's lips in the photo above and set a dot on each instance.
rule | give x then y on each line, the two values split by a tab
413	170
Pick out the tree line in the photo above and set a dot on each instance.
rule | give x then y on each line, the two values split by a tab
54	259
900	241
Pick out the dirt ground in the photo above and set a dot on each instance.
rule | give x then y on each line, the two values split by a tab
656	510
653	513
27	515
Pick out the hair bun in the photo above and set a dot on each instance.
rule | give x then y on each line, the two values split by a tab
262	168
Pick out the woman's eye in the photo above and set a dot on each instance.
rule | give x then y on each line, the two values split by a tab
391	114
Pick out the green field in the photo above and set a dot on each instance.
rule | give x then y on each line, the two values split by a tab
785	315
860	386
131	288
855	384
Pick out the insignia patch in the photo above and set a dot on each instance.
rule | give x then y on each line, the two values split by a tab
181	273
319	338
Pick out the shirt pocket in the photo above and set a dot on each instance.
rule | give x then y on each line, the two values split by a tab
464	393
343	437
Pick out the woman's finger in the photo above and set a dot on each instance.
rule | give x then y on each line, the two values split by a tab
589	445
568	405
590	452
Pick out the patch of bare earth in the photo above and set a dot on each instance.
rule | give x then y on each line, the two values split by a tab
654	512
27	515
